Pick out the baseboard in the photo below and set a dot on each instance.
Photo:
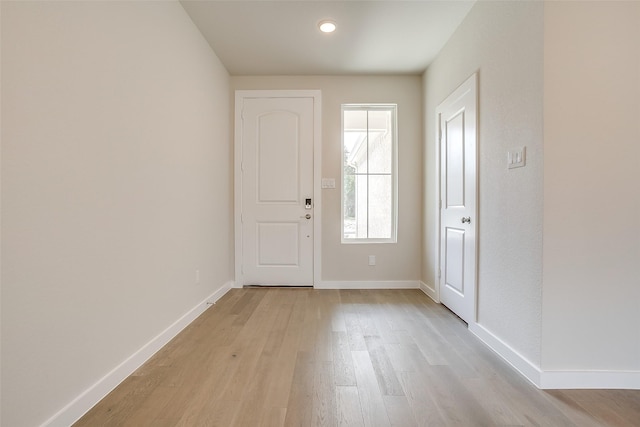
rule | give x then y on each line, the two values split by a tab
85	401
383	284
430	291
557	379
511	356
629	380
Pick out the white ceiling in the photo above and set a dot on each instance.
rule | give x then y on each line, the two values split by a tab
282	38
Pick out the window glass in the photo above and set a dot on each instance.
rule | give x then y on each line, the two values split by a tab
369	174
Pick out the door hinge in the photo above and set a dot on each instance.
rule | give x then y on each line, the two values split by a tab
241	219
439	273
440	204
439	133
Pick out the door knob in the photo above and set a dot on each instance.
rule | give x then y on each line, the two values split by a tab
307	216
466	219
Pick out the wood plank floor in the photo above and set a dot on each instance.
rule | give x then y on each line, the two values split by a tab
303	357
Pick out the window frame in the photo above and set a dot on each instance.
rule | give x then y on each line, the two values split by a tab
393	108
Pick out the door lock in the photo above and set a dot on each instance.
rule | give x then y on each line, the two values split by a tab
307	203
466	220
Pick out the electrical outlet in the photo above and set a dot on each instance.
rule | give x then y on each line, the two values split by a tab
372	260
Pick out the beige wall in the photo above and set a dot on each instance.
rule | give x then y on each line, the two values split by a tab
568	74
115	148
591	294
502	41
349	262
115	162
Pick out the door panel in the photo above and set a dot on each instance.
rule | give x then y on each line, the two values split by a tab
454	260
278	157
277	244
277	177
455	160
457	117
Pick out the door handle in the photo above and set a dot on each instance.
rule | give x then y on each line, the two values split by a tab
466	220
307	216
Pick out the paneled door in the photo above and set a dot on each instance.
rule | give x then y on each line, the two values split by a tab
458	215
276	190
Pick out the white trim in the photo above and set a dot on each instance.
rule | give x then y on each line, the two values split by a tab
317	172
237	191
556	379
511	356
317	181
430	291
436	273
366	284
79	406
590	380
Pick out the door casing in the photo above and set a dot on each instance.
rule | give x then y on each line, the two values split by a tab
240	95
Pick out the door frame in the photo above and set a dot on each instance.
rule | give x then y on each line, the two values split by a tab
471	81
240	96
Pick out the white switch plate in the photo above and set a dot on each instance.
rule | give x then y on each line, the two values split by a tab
372	260
516	158
328	183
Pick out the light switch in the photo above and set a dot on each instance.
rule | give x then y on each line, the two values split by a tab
516	157
328	183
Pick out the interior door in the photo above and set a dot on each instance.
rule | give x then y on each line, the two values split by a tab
277	215
458	215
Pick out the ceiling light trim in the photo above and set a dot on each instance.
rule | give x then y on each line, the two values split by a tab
327	26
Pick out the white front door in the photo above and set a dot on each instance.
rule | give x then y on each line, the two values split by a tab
458	217
277	190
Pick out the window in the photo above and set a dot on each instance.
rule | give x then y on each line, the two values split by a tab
369	146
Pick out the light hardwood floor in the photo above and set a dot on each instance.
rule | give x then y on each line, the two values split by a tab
303	357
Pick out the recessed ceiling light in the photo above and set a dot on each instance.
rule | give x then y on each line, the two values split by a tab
327	26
